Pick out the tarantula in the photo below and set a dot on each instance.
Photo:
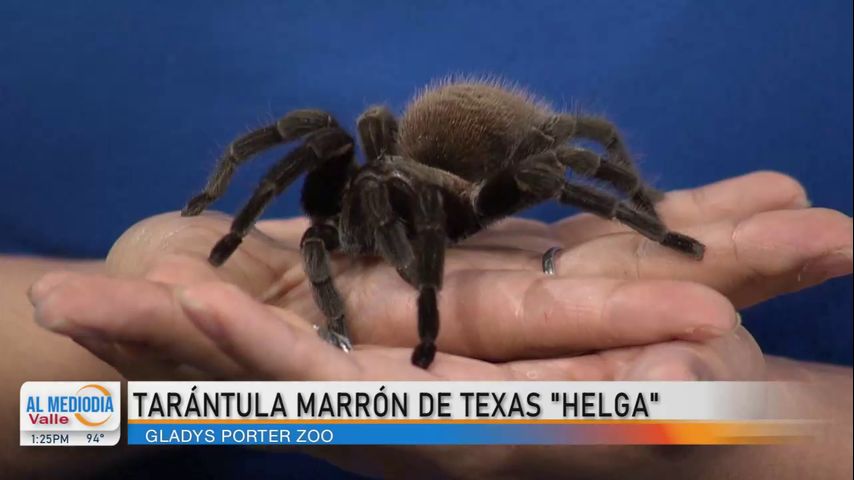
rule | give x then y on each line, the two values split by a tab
464	154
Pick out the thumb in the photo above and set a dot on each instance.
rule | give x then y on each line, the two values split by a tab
172	249
731	357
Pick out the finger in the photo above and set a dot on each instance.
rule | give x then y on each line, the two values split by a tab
125	321
509	242
288	231
730	357
260	341
734	357
514	234
731	199
502	315
170	248
141	362
757	258
517	225
734	198
271	349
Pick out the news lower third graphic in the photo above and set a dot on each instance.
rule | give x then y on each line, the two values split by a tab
414	413
464	413
71	413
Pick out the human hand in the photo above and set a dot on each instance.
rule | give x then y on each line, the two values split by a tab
138	320
760	243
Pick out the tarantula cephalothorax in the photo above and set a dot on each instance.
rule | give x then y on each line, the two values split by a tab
464	154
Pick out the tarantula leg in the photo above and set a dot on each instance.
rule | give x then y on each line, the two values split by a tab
618	156
430	228
317	241
389	233
424	270
378	133
607	206
589	164
500	196
319	147
290	127
541	177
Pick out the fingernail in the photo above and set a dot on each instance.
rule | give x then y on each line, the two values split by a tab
832	265
45	284
652	370
49	323
802	201
47	317
670	373
199	312
94	343
705	332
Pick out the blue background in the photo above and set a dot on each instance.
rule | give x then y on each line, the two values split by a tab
112	111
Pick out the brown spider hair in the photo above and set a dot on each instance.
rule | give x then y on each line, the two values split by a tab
465	154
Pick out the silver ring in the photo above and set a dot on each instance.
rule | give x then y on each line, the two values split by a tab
550	260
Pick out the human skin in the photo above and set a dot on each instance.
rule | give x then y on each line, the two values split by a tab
263	345
158	266
613	289
32	353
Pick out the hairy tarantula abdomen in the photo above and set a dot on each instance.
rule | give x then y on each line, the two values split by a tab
464	155
469	128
